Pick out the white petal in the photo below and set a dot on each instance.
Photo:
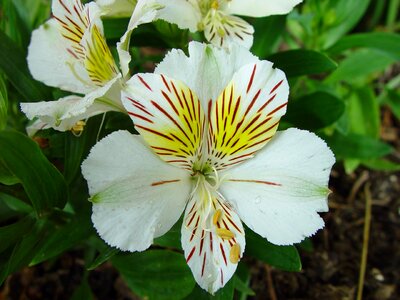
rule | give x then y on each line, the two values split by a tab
207	70
211	258
50	62
246	115
136	196
64	113
183	12
224	30
117	8
279	192
260	8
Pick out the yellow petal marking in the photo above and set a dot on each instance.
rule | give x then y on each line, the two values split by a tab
99	62
217	216
225	233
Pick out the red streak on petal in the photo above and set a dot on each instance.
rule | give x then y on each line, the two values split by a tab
164	182
144	83
223	253
251	78
190	254
256	181
275	87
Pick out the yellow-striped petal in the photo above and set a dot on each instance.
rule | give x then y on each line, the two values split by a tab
168	115
246	114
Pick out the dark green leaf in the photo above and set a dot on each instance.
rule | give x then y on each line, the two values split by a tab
384	41
242	287
302	62
267	32
103	257
42	182
62	237
83	292
11	234
393	100
114	28
6	177
225	293
23	251
3	104
357	146
314	111
282	257
13	63
156	274
15	204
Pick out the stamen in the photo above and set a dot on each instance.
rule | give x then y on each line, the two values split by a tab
77	129
217	216
234	254
225	233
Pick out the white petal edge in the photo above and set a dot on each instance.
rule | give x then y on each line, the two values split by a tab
207	70
136	196
50	63
280	191
260	8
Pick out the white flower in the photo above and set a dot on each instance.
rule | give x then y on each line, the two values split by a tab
70	52
117	8
216	17
208	146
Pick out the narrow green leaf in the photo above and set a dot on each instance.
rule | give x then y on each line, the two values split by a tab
42	182
242	287
13	63
357	146
11	234
83	292
302	62
363	113
282	257
381	165
347	14
156	274
3	104
360	65
393	101
6	176
15	204
63	237
384	41
103	257
314	111
267	32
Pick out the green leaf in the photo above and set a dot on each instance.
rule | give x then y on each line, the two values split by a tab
363	113
225	293
114	28
360	65
23	251
314	111
42	182
11	234
242	287
13	63
393	101
302	62
156	274
384	41
103	257
381	165
6	177
15	204
357	146
267	32
83	292
347	13
3	104
62	237
282	257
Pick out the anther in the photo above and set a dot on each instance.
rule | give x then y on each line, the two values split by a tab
217	216
234	254
225	233
78	127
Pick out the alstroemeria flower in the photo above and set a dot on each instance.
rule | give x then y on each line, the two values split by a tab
208	146
216	17
70	52
117	8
